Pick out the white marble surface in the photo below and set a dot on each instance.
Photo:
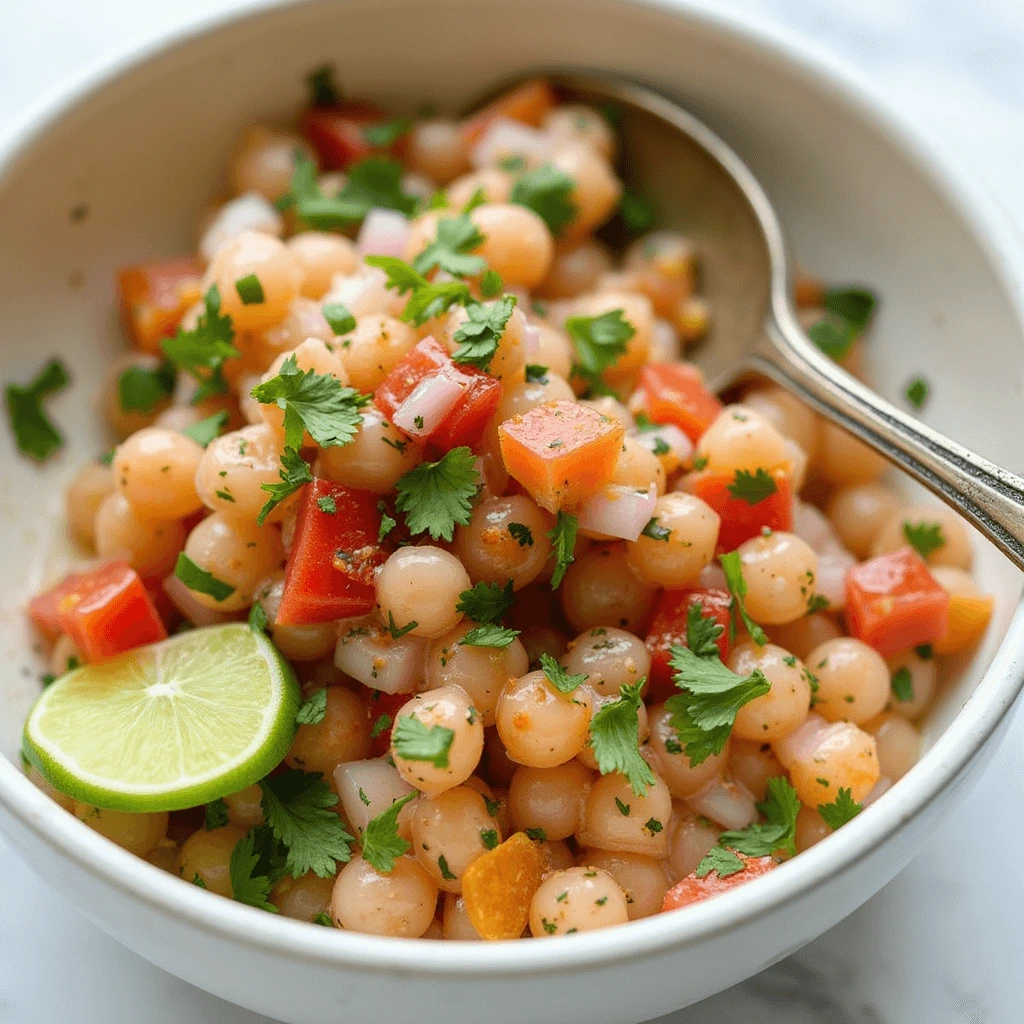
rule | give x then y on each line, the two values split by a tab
940	944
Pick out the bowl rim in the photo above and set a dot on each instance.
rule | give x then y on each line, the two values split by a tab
942	764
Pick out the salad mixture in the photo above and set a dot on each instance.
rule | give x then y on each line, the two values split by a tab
432	593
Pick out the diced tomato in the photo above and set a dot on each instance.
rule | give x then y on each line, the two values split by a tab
337	133
105	611
893	602
693	889
669	630
675	393
384	704
740	519
169	615
329	574
465	424
530	103
155	296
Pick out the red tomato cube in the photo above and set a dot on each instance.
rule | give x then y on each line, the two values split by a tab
337	133
693	889
388	704
155	296
675	393
740	519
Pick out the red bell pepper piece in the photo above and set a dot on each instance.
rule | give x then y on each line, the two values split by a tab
384	704
675	393
693	889
465	424
105	611
329	574
338	133
740	519
669	629
893	602
155	296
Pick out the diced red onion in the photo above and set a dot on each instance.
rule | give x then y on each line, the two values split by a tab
248	212
428	405
725	802
531	339
368	654
383	233
830	582
678	442
367	788
185	601
618	511
505	138
802	742
883	785
712	576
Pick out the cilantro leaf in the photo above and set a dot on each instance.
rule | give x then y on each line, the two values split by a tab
34	432
752	488
924	538
733	568
843	809
834	338
258	620
655	530
903	684
450	251
426	300
313	708
636	211
316	402
387	133
142	390
216	814
387	524
491	284
323	918
521	533
702	632
489	636
209	429
614	735
250	291
599	340
323	91
294	474
916	392
247	887
486	602
380	724
720	860
546	191
780	808
298	808
536	374
395	630
478	336
203	351
339	317
413	741
854	305
563	541
382	845
564	682
437	496
198	579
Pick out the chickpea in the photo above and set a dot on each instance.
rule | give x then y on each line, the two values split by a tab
151	548
86	492
741	438
898	742
662	266
126	421
859	512
790	417
555	351
321	255
779	570
496	186
670	761
297	643
692	838
304	898
780	710
449	832
264	162
752	765
343	735
612	409
955	550
207	856
575	269
923	679
519	397
455	922
853	680
551	799
643	827
602	589
802	635
437	148
823	757
810	828
376	346
273	264
245	808
369	788
539	725
399	904
638	311
638	466
450	708
726	802
233	469
304	319
365	293
375	458
480	671
136	833
609	657
517	243
678	558
579	899
596	189
155	470
575	122
422	585
642	879
843	460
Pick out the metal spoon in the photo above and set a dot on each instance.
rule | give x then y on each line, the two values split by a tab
747	269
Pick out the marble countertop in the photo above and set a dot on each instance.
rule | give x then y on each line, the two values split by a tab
941	943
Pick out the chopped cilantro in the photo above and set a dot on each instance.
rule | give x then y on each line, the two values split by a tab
924	538
437	496
521	533
817	603
323	91
207	430
537	834
737	585
34	432
413	741
446	873
546	191
313	708
339	317
451	250
752	488
426	300
489	636
398	632
258	621
247	884
720	860
598	341
702	632
903	684
478	336
381	724
486	602
327	505
216	814
489	837
294	473
491	284
564	682
142	390
323	919
201	581
636	211
387	524
563	541
250	291
387	133
202	352
614	736
536	374
382	845
656	531
916	392
623	808
843	809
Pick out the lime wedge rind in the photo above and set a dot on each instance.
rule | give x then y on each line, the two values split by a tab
167	726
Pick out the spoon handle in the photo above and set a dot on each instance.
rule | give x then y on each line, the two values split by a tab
990	497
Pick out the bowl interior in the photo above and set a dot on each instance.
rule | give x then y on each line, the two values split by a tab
144	155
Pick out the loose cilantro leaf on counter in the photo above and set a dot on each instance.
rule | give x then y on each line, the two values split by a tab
201	581
916	392
294	474
546	191
733	568
246	886
564	682
843	809
387	133
34	432
142	390
313	708
563	541
413	741
614	735
752	488
216	814
924	538
451	250
299	810
382	845
478	336
437	496
202	352
209	429
489	636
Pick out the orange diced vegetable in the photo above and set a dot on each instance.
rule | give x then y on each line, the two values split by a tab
561	452
968	620
155	296
893	602
740	519
693	889
497	887
808	291
529	103
675	393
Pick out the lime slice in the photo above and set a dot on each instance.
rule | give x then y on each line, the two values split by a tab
167	726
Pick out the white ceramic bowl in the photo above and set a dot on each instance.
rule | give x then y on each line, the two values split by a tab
144	143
